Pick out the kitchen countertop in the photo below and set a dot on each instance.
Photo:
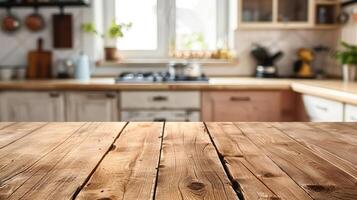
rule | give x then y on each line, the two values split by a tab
178	161
109	84
331	89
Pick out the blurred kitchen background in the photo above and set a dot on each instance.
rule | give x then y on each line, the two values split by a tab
178	60
217	24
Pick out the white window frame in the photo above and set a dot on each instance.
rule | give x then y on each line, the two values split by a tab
167	27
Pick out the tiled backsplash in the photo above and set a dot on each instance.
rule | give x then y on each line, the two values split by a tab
288	41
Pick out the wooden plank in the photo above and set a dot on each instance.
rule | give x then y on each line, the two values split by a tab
14	132
24	153
258	176
65	168
319	178
6	124
190	167
129	171
325	144
344	131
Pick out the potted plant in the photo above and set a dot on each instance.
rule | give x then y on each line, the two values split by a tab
114	32
348	58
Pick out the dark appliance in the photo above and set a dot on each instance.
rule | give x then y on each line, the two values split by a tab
265	61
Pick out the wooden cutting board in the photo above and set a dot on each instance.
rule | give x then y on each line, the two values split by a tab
62	31
39	63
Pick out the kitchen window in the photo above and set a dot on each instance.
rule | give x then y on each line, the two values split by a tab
161	27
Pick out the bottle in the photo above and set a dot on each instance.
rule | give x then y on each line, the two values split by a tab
322	15
82	69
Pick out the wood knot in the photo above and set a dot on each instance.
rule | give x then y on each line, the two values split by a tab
196	186
113	147
268	175
320	188
105	198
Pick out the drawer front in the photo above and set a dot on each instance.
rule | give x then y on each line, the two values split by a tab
351	113
149	116
323	110
160	100
241	106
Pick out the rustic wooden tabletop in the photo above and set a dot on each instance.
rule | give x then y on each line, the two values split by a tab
111	161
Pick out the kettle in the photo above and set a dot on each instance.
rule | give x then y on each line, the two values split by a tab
82	68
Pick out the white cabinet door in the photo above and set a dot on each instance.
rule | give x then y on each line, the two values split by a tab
323	110
32	106
92	107
351	113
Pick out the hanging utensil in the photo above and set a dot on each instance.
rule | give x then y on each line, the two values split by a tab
10	23
35	22
62	30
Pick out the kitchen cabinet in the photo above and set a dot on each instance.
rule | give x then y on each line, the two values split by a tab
92	106
291	14
32	106
240	106
292	11
160	106
257	11
350	113
323	110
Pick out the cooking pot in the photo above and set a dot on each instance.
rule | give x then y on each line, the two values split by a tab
10	23
35	22
183	70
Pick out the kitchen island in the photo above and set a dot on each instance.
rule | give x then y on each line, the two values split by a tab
110	161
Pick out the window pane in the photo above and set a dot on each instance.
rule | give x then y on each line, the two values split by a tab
143	15
196	22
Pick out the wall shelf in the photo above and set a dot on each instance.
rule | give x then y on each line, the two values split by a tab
53	3
348	3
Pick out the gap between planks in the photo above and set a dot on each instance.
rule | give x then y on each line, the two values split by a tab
100	161
235	184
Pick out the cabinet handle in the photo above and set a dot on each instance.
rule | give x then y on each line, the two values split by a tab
54	94
110	95
101	96
240	99
160	98
322	108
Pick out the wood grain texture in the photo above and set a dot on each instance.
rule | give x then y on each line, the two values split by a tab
110	161
343	131
319	178
190	167
6	124
13	132
24	153
59	172
129	170
257	175
336	150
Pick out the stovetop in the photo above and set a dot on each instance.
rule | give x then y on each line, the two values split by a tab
157	77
